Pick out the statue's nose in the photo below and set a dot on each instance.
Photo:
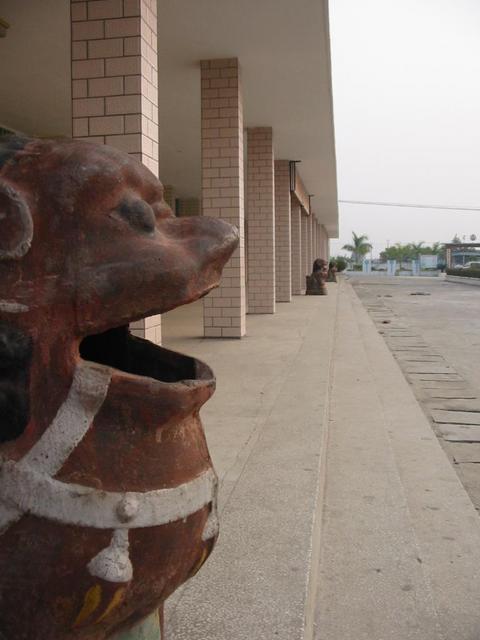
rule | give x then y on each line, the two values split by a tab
213	240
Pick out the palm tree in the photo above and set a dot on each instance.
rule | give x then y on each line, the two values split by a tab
416	249
359	247
438	248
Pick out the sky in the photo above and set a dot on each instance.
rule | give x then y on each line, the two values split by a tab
406	87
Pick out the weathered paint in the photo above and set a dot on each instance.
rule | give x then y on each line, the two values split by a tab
92	601
28	491
113	563
7	306
115	602
148	629
107	494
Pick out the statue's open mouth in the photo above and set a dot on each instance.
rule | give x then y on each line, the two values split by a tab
182	382
119	349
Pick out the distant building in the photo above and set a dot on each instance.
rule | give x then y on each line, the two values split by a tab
460	253
428	261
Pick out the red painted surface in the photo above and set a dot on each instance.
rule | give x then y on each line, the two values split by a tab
105	250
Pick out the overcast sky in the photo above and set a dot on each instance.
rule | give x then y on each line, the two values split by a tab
406	76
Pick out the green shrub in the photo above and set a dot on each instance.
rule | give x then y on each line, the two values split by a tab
464	273
340	263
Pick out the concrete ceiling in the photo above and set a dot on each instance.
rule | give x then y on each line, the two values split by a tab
283	49
35	67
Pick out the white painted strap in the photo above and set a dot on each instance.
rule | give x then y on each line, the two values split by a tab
29	491
212	525
8	515
10	306
113	564
73	420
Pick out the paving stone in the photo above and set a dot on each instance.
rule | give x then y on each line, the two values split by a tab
436	377
455	417
464	452
407	349
453	404
469	475
407	356
453	394
459	433
430	368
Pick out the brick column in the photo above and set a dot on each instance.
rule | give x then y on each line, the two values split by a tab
283	232
222	188
297	260
305	250
325	243
310	242
115	86
261	221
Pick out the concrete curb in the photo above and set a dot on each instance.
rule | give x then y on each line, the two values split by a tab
460	280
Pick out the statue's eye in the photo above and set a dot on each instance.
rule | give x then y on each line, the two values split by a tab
138	214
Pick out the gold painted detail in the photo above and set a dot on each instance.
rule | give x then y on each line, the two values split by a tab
114	602
91	602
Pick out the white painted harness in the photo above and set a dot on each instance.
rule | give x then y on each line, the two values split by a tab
28	486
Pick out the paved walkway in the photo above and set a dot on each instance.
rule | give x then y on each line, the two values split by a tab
398	536
265	428
401	539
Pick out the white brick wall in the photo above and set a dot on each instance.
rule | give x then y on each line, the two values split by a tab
114	75
261	221
283	232
309	243
305	250
298	276
115	86
222	188
324	243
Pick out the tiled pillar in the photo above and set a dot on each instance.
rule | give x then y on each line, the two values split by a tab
325	243
283	232
310	241
305	250
314	238
261	221
222	188
115	87
298	276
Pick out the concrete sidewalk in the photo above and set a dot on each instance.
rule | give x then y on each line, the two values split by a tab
266	428
378	499
401	539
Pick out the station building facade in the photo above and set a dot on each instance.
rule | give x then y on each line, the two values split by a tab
229	103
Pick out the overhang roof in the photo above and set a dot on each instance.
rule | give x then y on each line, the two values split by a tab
283	49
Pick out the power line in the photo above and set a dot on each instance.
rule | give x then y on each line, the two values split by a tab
410	206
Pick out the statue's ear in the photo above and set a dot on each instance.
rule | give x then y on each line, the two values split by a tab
16	225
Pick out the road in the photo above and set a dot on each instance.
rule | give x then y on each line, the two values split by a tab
432	328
